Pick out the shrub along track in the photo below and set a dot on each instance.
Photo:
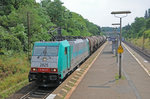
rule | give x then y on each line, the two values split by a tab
14	70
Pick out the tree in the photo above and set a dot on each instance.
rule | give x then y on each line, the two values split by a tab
147	32
148	24
126	31
146	14
7	6
56	12
13	22
137	26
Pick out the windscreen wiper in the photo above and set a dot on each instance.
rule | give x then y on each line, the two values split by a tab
45	51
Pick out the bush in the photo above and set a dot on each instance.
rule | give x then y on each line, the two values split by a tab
9	42
11	67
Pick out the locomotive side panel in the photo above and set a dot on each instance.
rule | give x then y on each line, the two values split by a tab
64	58
80	51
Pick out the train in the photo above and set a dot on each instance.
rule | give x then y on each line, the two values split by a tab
52	62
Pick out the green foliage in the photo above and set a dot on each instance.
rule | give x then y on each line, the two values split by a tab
11	66
148	24
147	32
92	28
138	30
106	29
140	26
147	14
14	25
7	6
71	22
56	11
9	42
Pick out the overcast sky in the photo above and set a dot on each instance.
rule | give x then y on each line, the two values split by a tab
98	11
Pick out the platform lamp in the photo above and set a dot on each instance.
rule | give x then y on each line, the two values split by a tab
115	13
115	24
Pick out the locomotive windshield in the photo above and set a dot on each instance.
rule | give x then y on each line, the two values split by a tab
45	51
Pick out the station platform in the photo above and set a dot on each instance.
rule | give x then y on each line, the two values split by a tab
101	81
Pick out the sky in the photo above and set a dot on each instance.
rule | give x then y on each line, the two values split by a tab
99	11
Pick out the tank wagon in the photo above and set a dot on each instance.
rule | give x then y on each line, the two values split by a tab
53	61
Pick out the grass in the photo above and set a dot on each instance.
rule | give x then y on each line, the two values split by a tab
73	80
67	88
70	84
139	42
117	77
13	89
14	71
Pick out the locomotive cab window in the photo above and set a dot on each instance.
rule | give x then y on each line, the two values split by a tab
45	51
65	50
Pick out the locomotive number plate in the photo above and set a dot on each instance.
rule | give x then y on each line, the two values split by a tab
43	64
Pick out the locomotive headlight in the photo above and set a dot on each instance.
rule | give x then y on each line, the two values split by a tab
53	69
34	69
44	59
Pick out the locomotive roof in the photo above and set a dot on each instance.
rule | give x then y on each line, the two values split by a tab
56	43
51	43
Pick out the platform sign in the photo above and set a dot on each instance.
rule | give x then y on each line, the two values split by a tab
120	49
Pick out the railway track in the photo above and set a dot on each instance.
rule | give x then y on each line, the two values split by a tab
38	93
143	53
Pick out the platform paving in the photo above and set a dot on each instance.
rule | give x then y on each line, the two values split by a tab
137	77
101	81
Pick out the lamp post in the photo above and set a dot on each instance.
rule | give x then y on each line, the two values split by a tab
120	47
115	24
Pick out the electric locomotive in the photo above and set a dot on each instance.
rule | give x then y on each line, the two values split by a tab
52	61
